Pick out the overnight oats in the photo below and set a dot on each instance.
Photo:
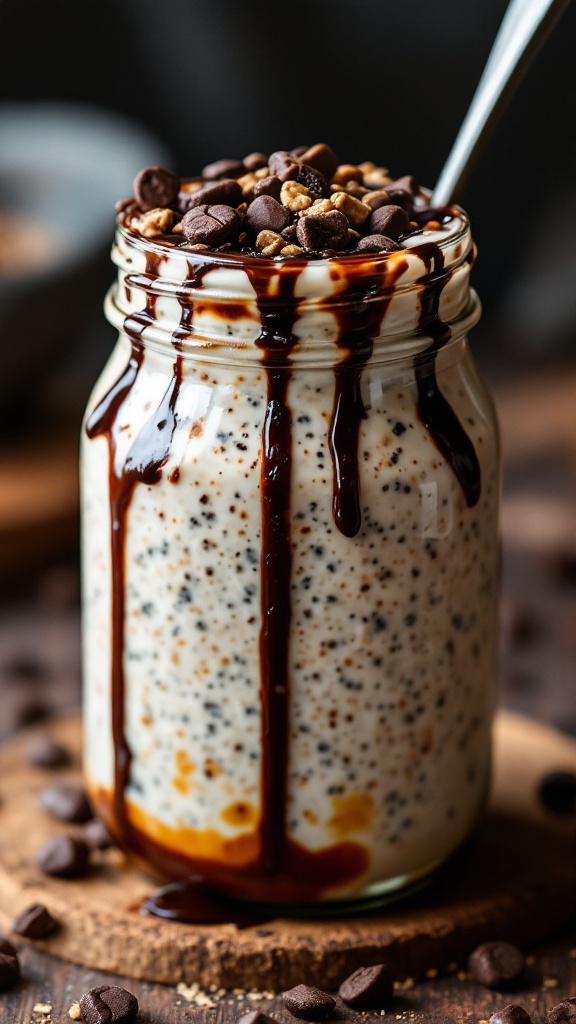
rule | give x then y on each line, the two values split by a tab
290	483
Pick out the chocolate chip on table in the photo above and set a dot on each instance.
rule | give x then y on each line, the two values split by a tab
6	947
391	221
318	231
377	243
44	752
36	922
96	835
368	988
224	169
108	1004
155	186
266	214
67	802
256	1017
557	791
511	1014
63	856
495	964
308	1003
9	971
211	225
564	1012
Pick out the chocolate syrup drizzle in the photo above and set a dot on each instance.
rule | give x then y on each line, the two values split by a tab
360	312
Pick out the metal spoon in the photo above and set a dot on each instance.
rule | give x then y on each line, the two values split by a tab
524	27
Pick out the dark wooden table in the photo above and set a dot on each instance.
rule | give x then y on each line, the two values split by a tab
39	674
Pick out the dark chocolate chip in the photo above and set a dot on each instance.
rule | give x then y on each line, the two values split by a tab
155	186
557	791
407	183
400	197
266	214
256	1017
283	165
494	964
255	161
511	1014
319	231
96	835
321	158
67	802
7	948
270	186
308	1003
368	988
377	243
9	971
108	1004
564	1012
227	192
223	169
36	922
44	752
63	857
317	185
289	233
391	221
211	225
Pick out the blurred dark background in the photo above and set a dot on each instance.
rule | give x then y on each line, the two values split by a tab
195	80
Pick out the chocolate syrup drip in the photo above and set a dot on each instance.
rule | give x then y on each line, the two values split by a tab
146	456
434	410
277	315
193	901
360	312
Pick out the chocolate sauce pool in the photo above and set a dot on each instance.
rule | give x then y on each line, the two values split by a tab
281	861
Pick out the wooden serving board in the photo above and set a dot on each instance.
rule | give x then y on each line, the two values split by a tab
515	880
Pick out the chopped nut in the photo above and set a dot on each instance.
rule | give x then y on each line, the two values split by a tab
198	247
347	172
295	196
353	236
291	250
262	172
377	178
432	225
549	982
75	1012
177	229
247	182
270	243
366	166
319	206
432	973
43	1008
354	211
157	222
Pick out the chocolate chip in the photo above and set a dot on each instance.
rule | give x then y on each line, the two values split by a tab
308	1003
319	231
211	225
317	185
44	752
321	158
283	165
391	221
494	964
108	1004
67	802
557	791
401	198
223	169
564	1012
6	947
255	161
256	1017
407	183
96	835
155	186
511	1014
266	214
227	192
368	988
270	186
377	243
9	971
63	857
36	922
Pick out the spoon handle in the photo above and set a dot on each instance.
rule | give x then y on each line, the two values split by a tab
524	26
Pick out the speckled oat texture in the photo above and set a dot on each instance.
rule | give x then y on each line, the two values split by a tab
392	638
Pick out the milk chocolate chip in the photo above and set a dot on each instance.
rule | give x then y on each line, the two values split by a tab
266	214
211	225
108	1004
377	243
494	964
227	192
318	231
308	1003
391	221
368	988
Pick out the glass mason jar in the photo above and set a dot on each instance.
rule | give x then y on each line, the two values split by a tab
290	552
